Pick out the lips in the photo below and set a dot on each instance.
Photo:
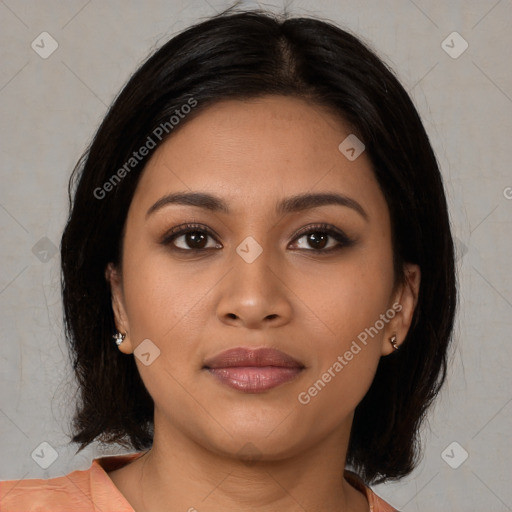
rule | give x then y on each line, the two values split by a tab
253	370
252	357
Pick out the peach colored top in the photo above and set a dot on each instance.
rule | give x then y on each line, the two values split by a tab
92	490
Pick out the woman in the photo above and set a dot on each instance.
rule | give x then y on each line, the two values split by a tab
260	225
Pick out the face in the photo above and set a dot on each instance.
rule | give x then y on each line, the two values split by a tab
315	282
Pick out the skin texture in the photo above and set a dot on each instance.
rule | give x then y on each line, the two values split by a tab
193	306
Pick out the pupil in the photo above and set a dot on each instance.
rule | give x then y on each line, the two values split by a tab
315	238
193	237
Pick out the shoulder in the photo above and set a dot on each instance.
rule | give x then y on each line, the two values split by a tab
80	490
377	504
46	494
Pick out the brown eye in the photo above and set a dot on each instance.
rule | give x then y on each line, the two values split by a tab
317	237
317	240
193	238
321	238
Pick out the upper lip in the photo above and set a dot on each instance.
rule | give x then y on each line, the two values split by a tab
241	356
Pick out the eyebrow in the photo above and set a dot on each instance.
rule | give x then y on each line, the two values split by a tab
291	204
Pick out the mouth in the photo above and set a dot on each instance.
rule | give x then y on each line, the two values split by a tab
253	370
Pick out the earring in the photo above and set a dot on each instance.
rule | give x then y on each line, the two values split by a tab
119	337
393	342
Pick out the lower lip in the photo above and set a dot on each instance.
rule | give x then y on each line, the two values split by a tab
254	379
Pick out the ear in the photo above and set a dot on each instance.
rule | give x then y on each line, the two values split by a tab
113	276
403	303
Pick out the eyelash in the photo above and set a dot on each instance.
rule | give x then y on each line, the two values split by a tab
326	229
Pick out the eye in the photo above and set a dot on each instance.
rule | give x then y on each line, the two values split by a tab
318	237
194	238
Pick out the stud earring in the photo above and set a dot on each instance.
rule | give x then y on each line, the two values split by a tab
393	342
119	337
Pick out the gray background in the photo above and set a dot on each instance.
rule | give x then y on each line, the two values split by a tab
51	107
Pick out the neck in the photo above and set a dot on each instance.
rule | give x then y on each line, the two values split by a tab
179	474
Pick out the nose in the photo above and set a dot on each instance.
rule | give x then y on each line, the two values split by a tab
254	294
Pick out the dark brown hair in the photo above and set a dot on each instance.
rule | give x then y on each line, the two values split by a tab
237	55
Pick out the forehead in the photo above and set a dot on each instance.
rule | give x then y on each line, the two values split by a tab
254	152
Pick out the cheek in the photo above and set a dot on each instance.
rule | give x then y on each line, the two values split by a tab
347	299
351	306
167	302
333	393
158	290
344	361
